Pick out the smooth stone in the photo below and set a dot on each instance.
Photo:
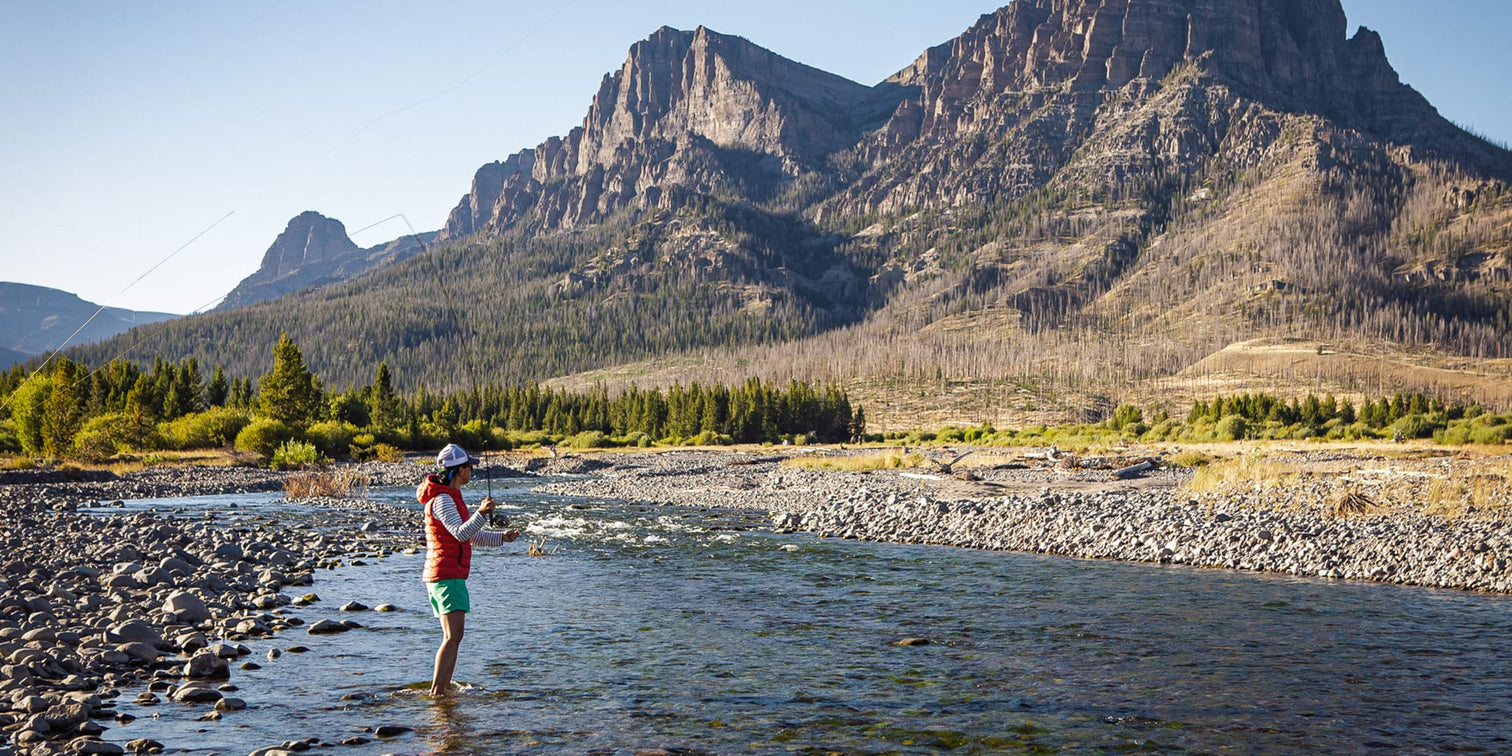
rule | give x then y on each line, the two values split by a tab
354	606
206	664
385	608
391	731
93	746
144	745
193	693
327	627
188	607
136	631
230	704
912	642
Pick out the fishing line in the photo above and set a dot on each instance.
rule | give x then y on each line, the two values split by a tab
59	348
464	80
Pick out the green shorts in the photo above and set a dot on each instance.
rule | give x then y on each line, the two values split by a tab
447	596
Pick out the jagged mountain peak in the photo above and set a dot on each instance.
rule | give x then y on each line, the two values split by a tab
313	250
680	99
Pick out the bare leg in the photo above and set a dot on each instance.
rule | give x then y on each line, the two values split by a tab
446	656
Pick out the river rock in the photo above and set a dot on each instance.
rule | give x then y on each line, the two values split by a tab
354	606
93	746
207	664
187	607
197	693
136	631
138	652
144	745
327	627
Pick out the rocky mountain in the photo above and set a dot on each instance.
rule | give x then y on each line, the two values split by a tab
36	319
314	250
688	113
1072	190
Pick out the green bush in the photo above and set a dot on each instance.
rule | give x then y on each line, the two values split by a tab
1232	428
214	428
294	455
1490	434
588	440
102	437
710	438
387	453
332	437
950	435
1125	415
261	437
1416	425
1455	435
9	444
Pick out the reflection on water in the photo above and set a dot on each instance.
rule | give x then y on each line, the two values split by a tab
682	629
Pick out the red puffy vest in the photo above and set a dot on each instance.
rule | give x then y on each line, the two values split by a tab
446	558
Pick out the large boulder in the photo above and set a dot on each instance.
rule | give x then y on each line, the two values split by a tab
136	631
206	665
187	607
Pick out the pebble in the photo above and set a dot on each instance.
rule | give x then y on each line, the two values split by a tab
1154	523
94	599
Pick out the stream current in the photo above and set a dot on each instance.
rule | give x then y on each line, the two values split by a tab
650	627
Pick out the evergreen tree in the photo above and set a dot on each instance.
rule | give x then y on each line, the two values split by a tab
290	393
217	393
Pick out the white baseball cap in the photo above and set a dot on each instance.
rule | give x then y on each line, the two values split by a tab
455	456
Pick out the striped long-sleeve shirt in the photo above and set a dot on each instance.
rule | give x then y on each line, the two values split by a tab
445	509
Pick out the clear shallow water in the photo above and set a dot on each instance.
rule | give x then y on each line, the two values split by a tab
657	628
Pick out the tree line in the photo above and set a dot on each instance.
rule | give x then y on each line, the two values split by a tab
66	410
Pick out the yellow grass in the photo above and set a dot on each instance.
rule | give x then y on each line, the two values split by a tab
325	484
891	459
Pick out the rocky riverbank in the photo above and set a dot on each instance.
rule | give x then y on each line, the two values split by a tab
94	602
1087	514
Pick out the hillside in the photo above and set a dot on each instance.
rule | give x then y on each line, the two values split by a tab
1082	197
36	319
315	251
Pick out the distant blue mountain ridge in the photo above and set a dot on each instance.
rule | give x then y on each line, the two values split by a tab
36	319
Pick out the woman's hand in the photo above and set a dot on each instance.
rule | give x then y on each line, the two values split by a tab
487	507
510	535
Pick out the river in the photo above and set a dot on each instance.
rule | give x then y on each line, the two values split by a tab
651	628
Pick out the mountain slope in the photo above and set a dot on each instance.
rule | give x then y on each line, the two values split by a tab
1085	192
36	319
314	250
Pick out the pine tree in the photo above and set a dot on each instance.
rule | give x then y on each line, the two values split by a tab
217	392
290	393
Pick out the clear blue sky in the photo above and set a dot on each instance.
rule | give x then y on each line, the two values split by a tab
128	128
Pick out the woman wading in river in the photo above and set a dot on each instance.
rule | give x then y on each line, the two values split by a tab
450	535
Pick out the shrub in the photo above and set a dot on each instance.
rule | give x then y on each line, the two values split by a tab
1125	415
1416	425
102	437
387	453
261	437
332	437
1490	434
710	438
951	434
213	428
1454	435
587	440
295	455
1232	428
1191	459
9	444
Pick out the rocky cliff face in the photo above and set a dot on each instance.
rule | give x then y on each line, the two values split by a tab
688	111
314	250
1205	171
